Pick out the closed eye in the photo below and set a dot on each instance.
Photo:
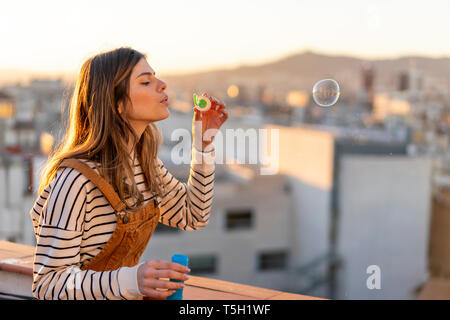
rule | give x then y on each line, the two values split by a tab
146	83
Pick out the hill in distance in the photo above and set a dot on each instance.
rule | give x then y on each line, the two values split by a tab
303	70
298	71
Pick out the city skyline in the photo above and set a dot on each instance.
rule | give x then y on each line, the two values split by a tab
178	37
375	163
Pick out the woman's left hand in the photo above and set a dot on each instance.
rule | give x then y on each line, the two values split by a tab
207	123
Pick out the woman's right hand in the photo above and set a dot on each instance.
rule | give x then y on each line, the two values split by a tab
206	124
150	272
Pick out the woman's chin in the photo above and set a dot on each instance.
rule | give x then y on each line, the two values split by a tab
165	115
162	116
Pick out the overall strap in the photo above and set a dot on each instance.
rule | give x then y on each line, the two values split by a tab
98	180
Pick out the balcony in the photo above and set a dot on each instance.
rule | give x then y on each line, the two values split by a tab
16	270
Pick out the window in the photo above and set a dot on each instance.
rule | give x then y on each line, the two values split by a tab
239	219
272	260
203	264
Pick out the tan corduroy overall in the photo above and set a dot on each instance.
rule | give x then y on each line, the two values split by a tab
132	233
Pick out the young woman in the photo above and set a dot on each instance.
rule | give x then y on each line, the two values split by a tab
104	188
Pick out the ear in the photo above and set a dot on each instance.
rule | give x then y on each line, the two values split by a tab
120	107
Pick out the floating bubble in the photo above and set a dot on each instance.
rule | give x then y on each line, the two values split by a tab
326	92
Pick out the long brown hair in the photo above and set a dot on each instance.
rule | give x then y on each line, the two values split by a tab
96	131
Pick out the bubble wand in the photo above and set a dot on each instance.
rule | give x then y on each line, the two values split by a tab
201	103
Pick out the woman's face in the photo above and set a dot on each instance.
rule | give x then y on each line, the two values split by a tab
148	100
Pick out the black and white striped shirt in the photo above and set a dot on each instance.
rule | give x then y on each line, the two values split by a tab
73	221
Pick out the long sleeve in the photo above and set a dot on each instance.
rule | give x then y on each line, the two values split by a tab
59	219
187	206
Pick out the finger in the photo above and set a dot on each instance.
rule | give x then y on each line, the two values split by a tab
220	107
157	294
171	274
165	284
173	266
216	105
221	102
224	115
163	265
216	101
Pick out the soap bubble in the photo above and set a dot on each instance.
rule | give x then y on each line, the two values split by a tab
326	92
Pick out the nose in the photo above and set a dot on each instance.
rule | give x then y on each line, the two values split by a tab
163	86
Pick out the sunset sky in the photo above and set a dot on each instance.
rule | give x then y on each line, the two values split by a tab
182	36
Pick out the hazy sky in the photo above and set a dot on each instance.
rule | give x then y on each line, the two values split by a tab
188	35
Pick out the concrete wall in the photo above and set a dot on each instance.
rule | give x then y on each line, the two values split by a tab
15	222
384	207
306	156
11	184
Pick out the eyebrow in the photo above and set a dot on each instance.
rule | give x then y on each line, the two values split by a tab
146	73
